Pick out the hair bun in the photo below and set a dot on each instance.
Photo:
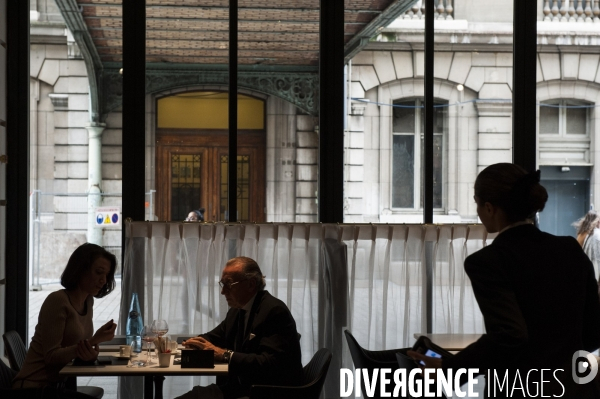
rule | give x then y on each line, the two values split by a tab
524	184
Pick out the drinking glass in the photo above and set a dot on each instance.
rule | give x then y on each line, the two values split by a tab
134	358
148	336
160	327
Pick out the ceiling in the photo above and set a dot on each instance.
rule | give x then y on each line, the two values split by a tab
271	32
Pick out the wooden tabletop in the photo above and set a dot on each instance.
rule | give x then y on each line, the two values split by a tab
451	342
154	369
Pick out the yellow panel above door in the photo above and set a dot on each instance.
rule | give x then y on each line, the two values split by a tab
208	110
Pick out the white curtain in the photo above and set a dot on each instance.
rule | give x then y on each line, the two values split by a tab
370	279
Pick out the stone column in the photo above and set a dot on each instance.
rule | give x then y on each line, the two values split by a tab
94	234
495	133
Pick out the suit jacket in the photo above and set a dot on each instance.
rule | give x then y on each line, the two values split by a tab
539	301
271	356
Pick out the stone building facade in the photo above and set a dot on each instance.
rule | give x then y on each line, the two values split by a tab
473	86
473	72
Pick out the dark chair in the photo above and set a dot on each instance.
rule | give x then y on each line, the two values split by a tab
370	360
6	376
366	359
6	392
314	378
406	362
15	348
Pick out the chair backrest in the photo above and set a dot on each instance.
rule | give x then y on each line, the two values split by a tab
366	359
370	360
15	348
315	372
6	376
406	362
356	351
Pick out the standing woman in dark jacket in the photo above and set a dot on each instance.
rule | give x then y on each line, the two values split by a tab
536	291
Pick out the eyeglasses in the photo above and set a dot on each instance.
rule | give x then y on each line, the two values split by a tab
223	284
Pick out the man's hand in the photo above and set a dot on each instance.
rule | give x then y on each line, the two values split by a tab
87	352
203	344
430	362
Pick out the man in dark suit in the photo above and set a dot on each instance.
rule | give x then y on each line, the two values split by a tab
258	337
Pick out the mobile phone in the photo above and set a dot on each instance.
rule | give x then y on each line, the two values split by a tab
428	348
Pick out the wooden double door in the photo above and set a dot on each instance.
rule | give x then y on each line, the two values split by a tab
192	173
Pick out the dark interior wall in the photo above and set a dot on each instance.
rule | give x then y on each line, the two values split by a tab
17	168
2	165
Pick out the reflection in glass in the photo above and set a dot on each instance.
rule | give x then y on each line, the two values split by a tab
564	117
549	119
185	184
403	171
407	171
243	187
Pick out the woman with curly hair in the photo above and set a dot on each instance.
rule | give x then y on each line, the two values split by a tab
588	236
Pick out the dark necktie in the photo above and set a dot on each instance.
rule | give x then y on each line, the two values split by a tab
239	339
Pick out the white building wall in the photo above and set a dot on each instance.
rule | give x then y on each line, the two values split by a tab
479	132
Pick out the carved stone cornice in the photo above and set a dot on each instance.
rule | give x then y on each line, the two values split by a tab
300	89
494	107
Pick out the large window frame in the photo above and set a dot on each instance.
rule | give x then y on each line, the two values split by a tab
440	170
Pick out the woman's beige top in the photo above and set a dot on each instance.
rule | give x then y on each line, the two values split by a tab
60	327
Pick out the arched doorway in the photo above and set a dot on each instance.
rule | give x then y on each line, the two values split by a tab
192	156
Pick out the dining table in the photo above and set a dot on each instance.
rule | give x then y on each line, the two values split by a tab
110	365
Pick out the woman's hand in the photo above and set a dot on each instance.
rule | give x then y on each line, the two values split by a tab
104	333
87	352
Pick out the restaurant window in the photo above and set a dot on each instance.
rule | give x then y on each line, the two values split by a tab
564	118
408	141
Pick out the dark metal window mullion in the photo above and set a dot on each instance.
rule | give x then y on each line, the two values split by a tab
134	128
524	84
428	108
428	167
233	117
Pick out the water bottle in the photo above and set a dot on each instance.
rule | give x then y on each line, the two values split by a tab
135	324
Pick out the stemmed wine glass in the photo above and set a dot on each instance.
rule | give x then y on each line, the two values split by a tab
148	336
160	327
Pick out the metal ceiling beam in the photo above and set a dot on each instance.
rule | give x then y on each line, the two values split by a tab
150	66
298	88
93	64
224	21
356	44
224	50
226	9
